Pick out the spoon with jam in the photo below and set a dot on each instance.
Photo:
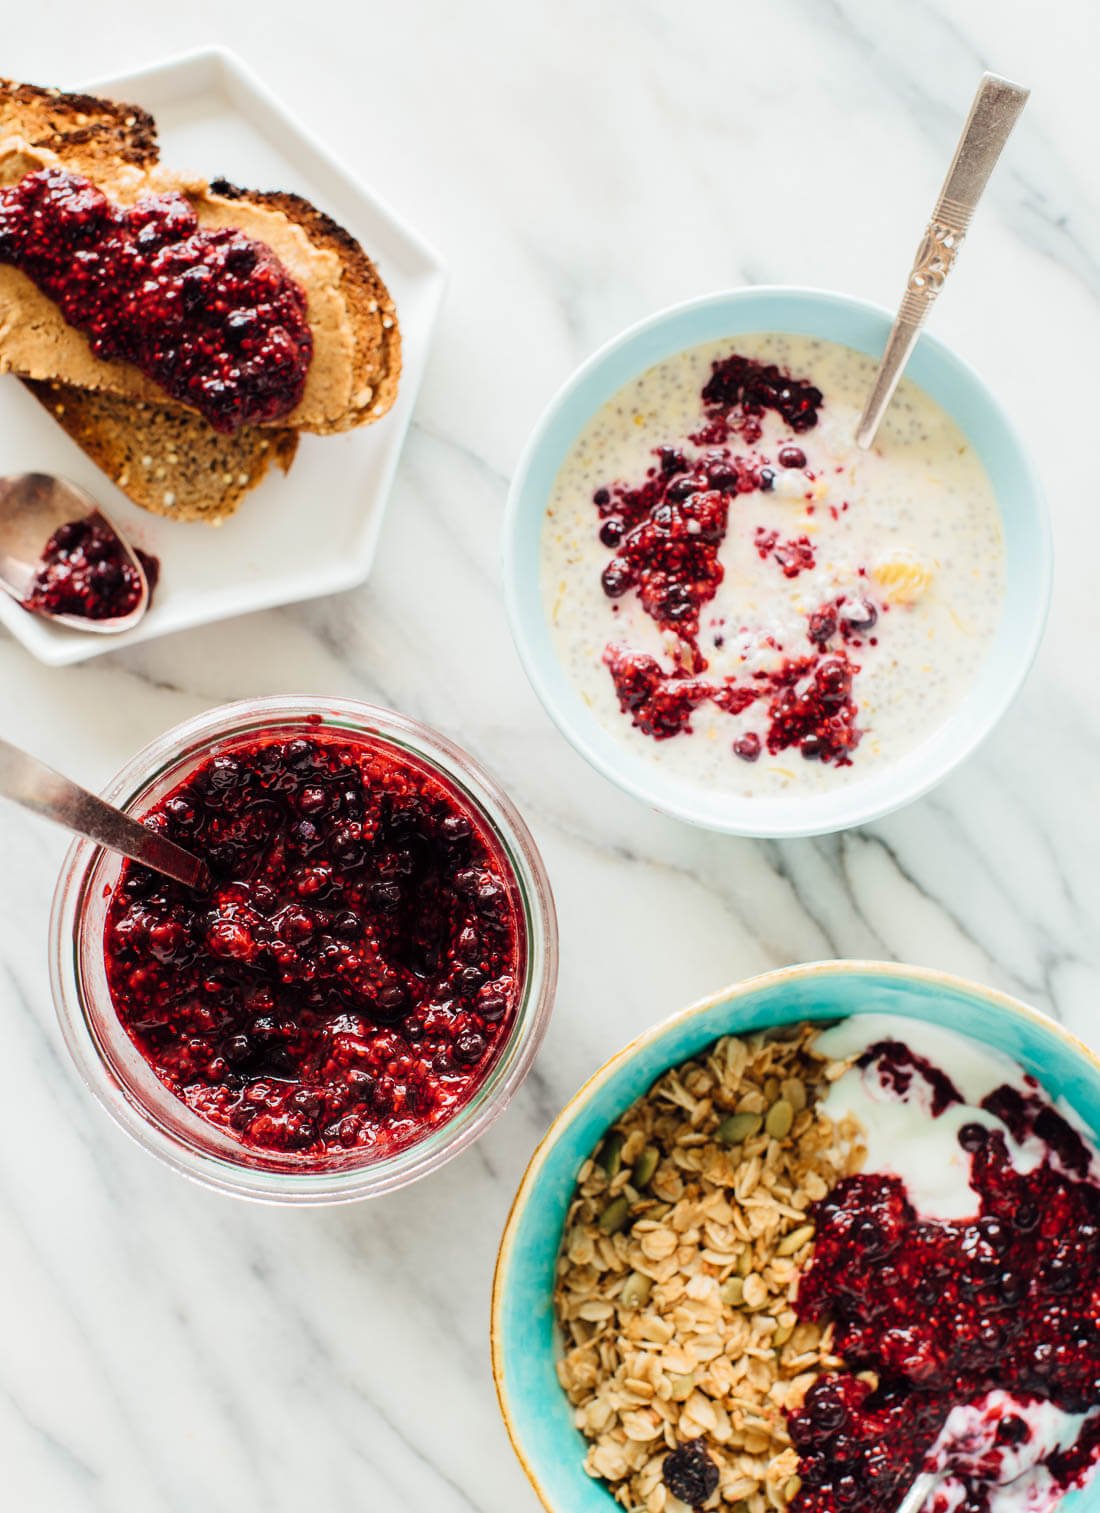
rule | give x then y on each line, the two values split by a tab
60	557
33	785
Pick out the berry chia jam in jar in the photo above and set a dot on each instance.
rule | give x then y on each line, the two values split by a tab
362	986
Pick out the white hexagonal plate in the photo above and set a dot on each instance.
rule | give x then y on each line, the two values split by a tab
314	531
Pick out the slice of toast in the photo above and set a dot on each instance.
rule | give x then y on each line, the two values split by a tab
167	461
352	377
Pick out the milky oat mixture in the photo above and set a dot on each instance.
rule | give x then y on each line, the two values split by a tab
682	1326
744	598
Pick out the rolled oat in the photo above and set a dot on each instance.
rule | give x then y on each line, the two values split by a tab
675	1296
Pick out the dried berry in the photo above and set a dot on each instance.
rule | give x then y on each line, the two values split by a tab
690	1474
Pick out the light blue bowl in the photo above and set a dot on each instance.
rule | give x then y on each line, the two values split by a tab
954	385
524	1344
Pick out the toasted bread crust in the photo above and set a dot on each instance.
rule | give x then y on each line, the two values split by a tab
165	460
374	317
86	130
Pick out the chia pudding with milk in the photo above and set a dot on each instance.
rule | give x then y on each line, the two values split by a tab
747	599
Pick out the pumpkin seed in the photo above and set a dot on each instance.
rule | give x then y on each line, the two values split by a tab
645	1167
732	1291
611	1154
782	1334
779	1120
795	1240
736	1128
614	1216
771	1088
792	1487
744	1263
794	1090
636	1290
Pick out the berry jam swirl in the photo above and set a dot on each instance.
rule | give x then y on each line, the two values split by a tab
84	571
210	315
666	536
930	1314
350	978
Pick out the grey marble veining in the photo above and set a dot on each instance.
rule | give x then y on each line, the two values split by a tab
579	164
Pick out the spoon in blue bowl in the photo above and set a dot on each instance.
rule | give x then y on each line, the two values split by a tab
995	111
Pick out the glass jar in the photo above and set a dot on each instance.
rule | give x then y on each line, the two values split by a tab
124	1082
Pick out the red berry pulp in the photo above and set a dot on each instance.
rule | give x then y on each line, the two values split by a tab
791	557
666	535
741	389
351	976
943	1312
212	316
808	701
84	571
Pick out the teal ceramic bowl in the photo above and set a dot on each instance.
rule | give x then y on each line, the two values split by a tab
524	1343
950	381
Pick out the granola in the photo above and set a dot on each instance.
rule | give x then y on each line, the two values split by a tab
678	1271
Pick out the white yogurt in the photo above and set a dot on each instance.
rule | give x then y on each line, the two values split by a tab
921	521
967	1450
901	1134
905	1137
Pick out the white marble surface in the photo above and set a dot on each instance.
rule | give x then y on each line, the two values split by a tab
579	165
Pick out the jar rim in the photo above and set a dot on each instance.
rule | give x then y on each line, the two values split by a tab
82	868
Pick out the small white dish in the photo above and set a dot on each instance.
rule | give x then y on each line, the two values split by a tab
955	386
314	531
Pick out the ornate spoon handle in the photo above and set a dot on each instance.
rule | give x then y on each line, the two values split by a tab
992	116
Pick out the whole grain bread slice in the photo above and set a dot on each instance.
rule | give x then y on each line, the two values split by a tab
166	460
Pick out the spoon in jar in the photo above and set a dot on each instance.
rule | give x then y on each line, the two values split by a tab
30	783
994	113
59	554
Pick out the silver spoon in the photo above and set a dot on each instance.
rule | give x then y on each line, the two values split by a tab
919	1493
994	113
32	507
39	788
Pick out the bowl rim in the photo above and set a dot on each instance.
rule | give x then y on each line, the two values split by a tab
653	788
839	967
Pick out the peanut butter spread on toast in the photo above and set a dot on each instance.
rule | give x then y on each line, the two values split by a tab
37	343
